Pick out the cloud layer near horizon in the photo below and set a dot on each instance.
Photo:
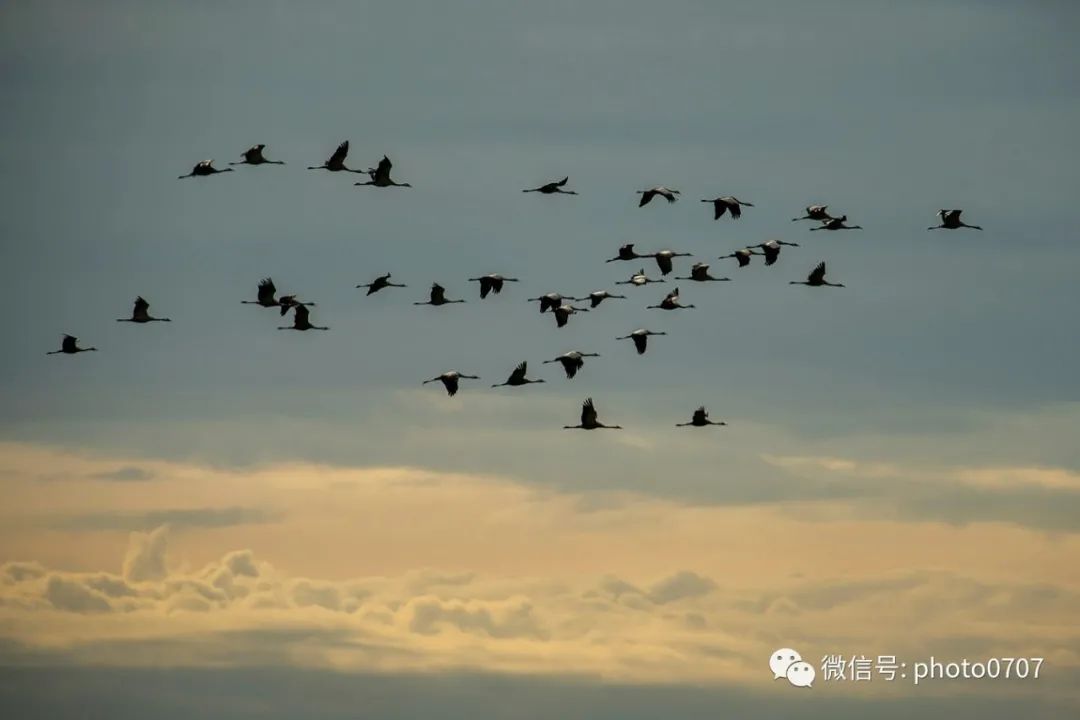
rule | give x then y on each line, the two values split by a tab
402	569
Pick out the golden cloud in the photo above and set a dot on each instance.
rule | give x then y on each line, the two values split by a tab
414	570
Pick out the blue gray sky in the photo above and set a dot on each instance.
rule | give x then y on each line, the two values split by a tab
935	396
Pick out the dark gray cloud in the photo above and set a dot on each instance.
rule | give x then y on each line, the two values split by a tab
1055	510
524	94
269	693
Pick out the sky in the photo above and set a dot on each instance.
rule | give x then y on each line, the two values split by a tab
213	517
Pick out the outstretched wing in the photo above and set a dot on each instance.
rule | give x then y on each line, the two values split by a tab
640	342
451	384
68	343
339	155
646	197
519	373
701	415
300	314
735	209
561	182
818	273
382	171
588	413
438	293
266	290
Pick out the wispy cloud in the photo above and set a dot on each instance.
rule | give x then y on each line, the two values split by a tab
200	517
127	473
1040	497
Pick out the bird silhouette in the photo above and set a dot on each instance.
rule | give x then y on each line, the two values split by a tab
648	195
950	220
598	296
552	300
572	361
266	297
141	313
204	168
438	296
700	419
301	320
627	252
553	188
380	176
700	273
254	156
70	346
663	260
815	212
816	278
639	279
450	379
517	377
727	204
640	338
563	312
743	256
589	419
492	283
772	249
837	224
336	162
383	281
670	302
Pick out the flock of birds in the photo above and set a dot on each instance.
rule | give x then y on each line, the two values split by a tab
561	306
